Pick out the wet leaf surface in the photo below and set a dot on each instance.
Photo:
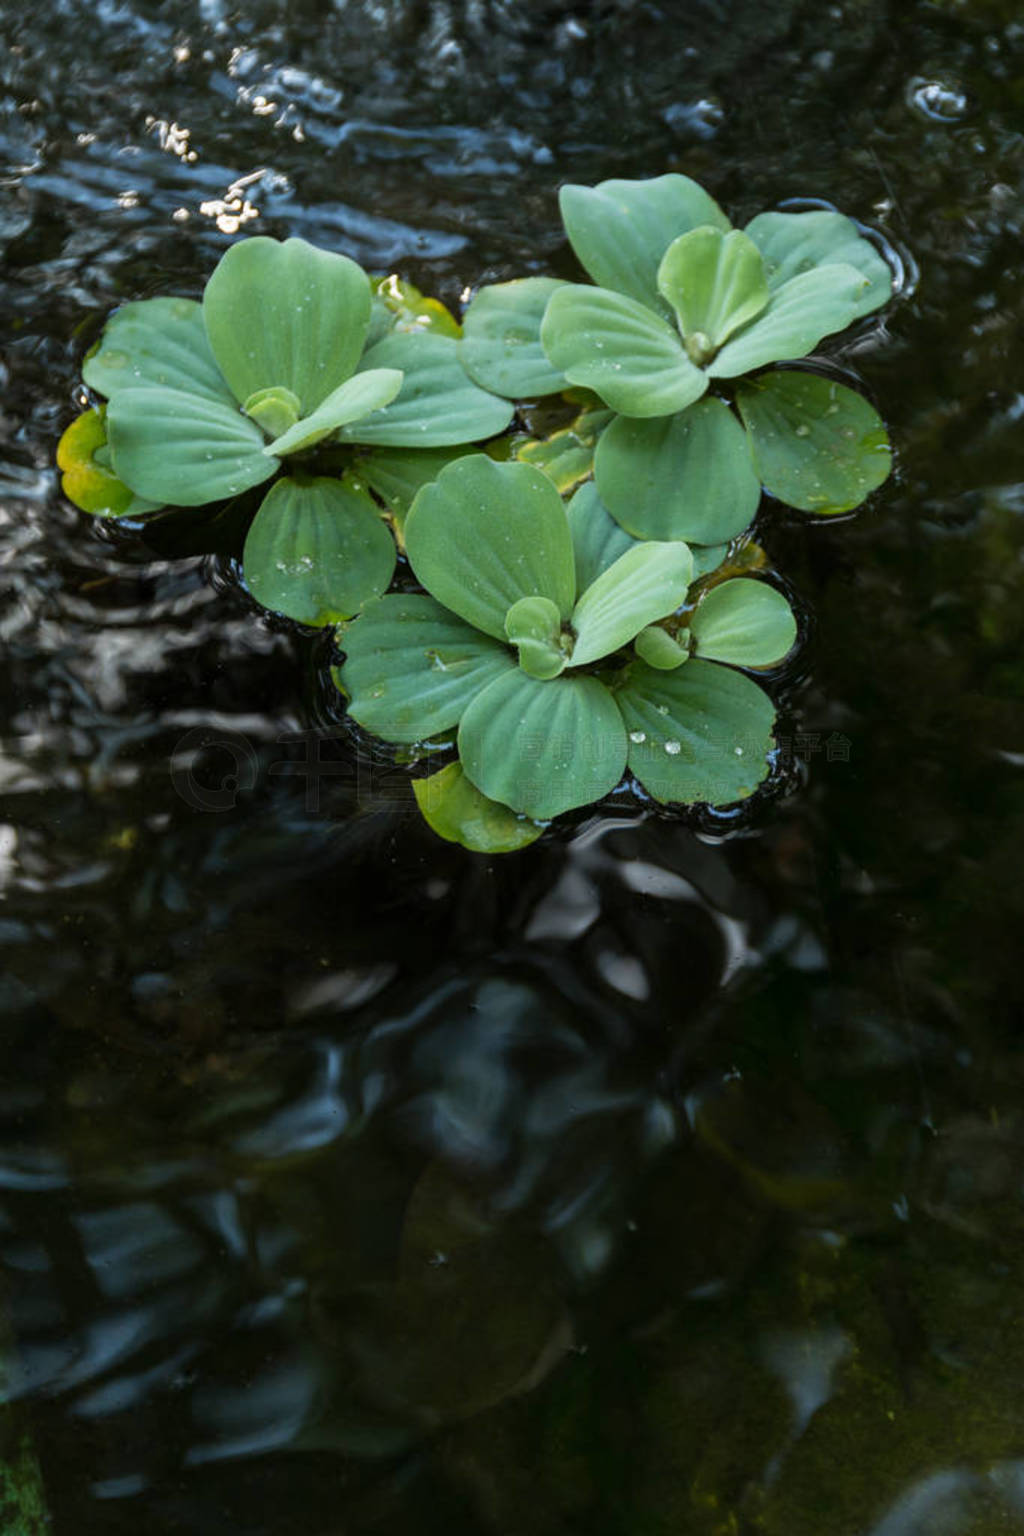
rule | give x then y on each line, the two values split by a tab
317	550
816	445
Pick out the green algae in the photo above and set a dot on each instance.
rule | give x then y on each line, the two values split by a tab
23	1510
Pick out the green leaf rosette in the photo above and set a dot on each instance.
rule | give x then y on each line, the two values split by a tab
290	348
684	305
524	644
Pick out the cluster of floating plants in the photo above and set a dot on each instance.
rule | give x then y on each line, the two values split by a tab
589	601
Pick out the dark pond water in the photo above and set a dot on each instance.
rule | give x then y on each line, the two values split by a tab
661	1178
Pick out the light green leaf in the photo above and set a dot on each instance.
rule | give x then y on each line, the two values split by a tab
534	626
597	539
648	582
700	734
688	476
715	282
274	410
534	618
455	809
543	747
500	347
158	344
660	649
792	243
816	444
411	667
743	622
799	314
621	229
438	404
483	535
88	482
540	658
182	449
286	313
621	349
317	551
396	474
351	401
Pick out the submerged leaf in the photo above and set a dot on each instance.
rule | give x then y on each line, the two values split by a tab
438	404
89	483
567	456
158	344
411	667
743	622
620	230
285	313
543	747
816	444
699	734
179	448
715	282
688	476
648	582
317	551
621	349
483	535
454	808
500	347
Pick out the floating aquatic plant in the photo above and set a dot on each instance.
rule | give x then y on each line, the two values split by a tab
546	637
289	349
685	313
556	644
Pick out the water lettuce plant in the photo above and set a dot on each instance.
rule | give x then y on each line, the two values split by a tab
683	315
289	349
563	651
556	643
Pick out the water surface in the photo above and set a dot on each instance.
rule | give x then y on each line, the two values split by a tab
664	1177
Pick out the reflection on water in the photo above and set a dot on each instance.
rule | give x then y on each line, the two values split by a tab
665	1176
